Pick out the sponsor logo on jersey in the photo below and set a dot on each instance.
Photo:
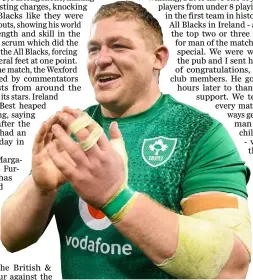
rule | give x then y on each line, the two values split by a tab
156	151
98	246
92	217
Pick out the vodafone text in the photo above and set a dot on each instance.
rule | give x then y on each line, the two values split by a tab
98	246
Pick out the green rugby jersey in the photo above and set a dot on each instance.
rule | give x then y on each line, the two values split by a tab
173	151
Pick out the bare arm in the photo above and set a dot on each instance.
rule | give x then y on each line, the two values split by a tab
25	215
155	232
26	212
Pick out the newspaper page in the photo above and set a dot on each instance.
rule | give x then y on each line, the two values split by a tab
43	57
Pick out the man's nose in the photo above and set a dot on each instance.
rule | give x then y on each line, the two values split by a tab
104	58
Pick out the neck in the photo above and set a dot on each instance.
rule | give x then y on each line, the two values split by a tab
136	108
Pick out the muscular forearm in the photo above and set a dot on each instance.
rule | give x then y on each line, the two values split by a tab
24	215
154	229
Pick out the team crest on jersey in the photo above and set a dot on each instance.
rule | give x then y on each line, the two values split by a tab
156	151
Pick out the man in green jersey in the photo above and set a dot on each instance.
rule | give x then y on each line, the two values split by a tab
172	199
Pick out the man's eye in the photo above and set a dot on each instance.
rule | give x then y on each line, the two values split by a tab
93	49
118	46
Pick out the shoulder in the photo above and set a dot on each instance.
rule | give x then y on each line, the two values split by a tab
214	164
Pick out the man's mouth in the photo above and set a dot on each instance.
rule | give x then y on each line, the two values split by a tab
107	78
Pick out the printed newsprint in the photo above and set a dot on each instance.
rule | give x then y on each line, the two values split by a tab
43	58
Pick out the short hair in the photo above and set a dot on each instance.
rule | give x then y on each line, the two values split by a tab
124	10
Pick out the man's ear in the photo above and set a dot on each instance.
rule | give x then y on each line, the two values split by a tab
161	57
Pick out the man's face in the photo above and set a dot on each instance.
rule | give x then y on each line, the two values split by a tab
120	64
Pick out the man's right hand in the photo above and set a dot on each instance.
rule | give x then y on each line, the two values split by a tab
46	175
29	207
